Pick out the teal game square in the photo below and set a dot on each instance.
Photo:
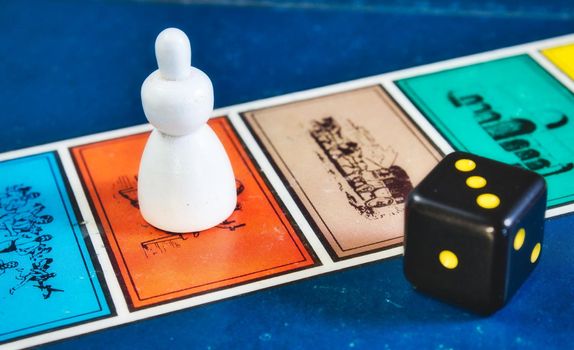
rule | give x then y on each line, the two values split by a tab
47	277
509	109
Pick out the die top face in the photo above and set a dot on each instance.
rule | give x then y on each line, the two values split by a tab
482	189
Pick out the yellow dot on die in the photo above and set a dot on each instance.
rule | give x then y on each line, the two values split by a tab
448	259
535	253
519	239
488	200
465	165
476	182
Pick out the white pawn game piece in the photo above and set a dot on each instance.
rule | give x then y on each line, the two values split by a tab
185	180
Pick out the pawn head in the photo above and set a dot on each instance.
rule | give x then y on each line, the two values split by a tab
177	99
173	54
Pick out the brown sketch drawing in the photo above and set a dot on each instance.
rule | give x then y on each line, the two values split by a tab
361	163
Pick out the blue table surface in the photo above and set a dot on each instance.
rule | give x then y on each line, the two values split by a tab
69	69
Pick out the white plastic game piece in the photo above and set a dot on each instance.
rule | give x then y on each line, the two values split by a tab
185	180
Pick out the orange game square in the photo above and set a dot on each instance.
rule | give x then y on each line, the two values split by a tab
258	241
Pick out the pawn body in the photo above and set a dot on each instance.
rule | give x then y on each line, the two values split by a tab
186	183
185	180
473	231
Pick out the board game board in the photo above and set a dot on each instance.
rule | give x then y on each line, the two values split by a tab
321	178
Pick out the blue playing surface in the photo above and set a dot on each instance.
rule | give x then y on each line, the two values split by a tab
70	69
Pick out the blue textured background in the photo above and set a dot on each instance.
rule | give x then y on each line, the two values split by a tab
70	69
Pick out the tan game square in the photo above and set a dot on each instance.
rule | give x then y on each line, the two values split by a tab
350	159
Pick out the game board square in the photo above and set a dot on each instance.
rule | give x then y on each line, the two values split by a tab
258	241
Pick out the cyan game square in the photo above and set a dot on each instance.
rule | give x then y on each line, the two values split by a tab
47	277
509	109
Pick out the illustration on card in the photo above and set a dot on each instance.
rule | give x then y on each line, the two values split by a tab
25	249
125	189
517	135
367	168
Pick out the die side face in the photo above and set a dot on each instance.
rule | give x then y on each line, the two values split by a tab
473	208
525	246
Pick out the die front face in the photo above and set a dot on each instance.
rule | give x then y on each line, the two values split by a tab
462	222
454	260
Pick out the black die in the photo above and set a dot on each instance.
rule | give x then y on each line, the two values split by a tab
473	231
